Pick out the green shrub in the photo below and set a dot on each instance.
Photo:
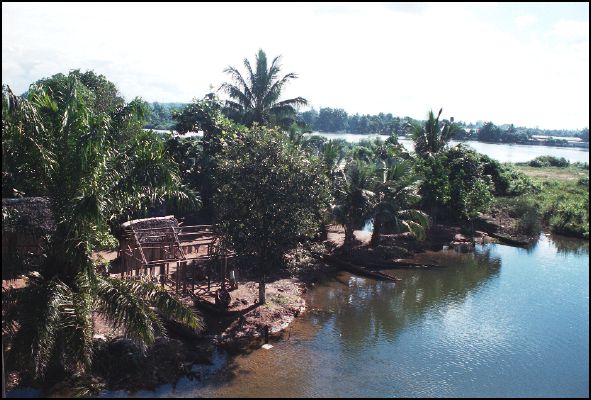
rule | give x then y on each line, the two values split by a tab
527	210
570	218
506	179
549	161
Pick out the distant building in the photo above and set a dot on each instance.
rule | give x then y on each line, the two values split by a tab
571	139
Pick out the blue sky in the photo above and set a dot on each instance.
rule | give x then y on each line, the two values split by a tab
522	63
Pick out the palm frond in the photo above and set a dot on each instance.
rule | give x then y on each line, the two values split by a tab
118	302
57	303
167	304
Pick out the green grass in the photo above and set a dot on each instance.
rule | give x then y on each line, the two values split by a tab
561	204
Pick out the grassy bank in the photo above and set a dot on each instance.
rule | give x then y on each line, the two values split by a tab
559	203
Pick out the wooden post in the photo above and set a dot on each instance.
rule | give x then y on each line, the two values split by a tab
184	268
123	260
208	277
167	272
178	276
222	274
193	275
225	267
162	276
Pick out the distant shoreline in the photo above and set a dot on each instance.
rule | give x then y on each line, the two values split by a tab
549	142
553	143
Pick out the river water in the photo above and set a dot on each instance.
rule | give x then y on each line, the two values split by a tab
499	151
502	321
503	152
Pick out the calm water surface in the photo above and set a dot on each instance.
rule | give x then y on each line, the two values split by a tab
502	152
501	322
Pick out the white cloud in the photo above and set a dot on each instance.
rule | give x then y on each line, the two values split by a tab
525	20
569	29
363	58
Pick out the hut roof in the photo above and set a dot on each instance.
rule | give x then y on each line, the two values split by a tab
29	214
152	229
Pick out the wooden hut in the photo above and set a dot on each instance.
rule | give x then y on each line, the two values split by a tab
26	224
161	250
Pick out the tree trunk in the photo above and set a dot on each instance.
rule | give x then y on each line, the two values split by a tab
348	238
377	231
434	215
262	298
323	232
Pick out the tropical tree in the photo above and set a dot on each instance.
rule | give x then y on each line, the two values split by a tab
471	191
64	143
254	98
354	198
206	115
396	194
269	195
106	98
432	136
434	187
491	133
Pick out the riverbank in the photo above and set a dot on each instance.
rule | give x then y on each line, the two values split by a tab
435	333
358	300
559	203
120	364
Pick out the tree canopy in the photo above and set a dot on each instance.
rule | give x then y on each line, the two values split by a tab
93	174
269	195
255	96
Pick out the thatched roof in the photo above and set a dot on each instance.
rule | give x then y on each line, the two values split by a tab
27	214
147	229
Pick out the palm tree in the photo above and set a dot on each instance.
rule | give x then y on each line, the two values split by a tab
354	199
433	136
91	179
395	192
255	98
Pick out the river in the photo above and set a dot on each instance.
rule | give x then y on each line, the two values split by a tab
504	152
502	321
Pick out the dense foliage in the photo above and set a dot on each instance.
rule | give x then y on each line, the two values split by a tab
549	161
337	120
557	201
160	115
266	186
96	165
269	196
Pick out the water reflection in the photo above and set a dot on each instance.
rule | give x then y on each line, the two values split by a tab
473	328
566	246
368	311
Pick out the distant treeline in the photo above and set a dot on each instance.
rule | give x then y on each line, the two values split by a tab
492	133
160	115
338	120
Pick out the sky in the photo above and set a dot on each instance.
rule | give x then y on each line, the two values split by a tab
521	63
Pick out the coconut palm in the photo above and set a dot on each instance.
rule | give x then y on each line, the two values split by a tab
396	192
255	97
432	136
91	178
354	199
